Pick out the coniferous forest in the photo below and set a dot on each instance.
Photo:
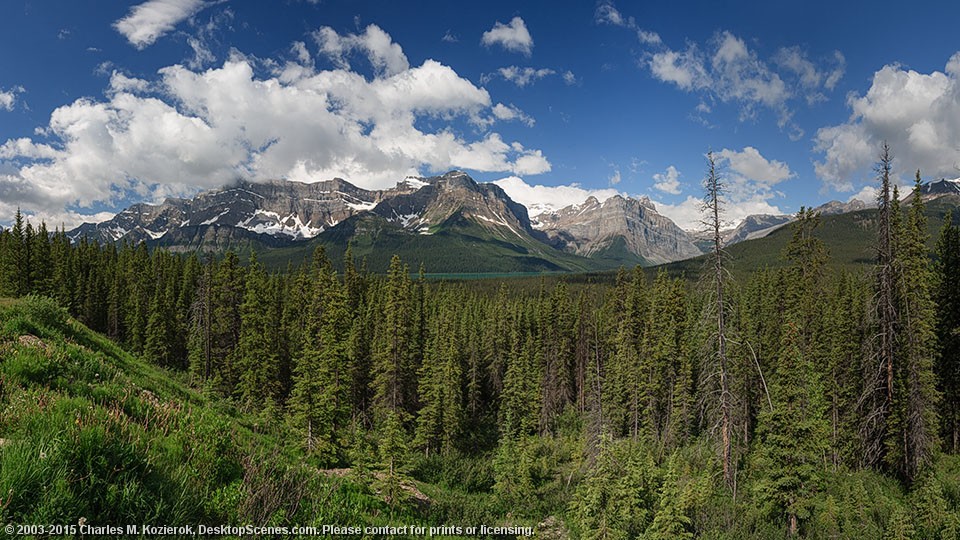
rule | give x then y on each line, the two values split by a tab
802	401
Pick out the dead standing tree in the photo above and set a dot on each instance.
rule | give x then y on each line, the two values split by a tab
718	365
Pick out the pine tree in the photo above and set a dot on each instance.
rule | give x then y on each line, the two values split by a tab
671	520
792	437
879	379
226	296
845	335
913	433
19	257
392	451
41	277
947	296
255	359
617	497
441	395
159	333
520	400
393	358
320	399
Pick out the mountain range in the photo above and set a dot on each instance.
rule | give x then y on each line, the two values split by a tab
450	222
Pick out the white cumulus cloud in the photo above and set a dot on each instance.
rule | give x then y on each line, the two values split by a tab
187	129
725	69
748	180
668	181
513	37
149	21
749	164
384	55
918	114
539	198
8	98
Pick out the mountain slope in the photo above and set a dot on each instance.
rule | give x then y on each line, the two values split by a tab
450	222
850	239
90	434
617	228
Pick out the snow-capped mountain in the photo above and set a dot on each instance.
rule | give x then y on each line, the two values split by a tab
593	228
940	188
281	209
453	206
285	212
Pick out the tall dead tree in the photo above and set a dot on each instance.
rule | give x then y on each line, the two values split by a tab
719	363
877	402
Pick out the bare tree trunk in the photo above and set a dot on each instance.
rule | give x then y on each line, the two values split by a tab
713	207
886	286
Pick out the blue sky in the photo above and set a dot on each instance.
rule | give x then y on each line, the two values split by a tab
103	104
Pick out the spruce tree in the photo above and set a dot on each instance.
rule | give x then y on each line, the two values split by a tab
320	399
440	419
393	358
913	436
947	297
792	437
159	333
255	359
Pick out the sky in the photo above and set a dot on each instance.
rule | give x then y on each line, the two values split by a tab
103	104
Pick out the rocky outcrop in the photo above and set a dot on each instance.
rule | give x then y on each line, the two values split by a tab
755	226
593	226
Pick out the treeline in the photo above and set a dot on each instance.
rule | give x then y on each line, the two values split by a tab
824	375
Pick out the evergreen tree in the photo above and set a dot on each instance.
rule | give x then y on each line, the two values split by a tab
913	431
320	399
393	359
255	359
718	370
947	297
41	276
792	437
879	383
671	520
519	402
226	297
616	498
440	420
159	331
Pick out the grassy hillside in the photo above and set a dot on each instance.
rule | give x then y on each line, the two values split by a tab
850	240
90	434
460	246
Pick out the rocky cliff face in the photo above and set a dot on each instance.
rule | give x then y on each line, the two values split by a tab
280	209
837	207
590	228
281	212
443	199
755	226
936	190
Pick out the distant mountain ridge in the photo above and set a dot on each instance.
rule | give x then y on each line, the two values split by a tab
282	214
450	217
633	225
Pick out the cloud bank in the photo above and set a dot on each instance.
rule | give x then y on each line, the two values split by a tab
918	114
259	119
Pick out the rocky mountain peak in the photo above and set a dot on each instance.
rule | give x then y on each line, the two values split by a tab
592	228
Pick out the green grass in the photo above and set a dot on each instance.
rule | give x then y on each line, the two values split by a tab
90	432
850	240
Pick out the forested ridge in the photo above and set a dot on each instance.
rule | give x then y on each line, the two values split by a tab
823	404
